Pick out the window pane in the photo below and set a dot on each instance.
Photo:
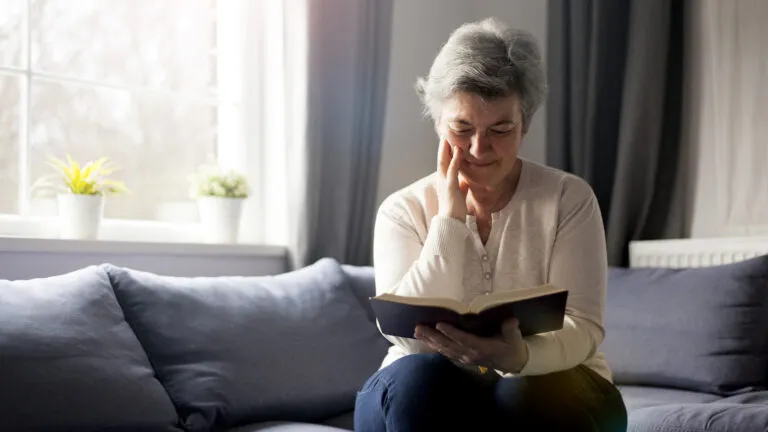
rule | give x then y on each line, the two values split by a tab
9	143
156	141
11	27
168	44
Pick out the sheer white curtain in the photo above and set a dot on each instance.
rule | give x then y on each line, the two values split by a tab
727	109
268	48
313	88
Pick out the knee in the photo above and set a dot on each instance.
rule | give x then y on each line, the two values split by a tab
406	395
420	367
549	403
414	377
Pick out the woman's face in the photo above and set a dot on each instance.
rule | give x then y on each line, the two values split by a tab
490	132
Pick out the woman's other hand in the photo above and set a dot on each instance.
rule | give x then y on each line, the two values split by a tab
507	352
451	196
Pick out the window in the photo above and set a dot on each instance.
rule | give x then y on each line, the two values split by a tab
133	80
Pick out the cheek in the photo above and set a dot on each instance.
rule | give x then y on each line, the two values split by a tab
459	141
507	147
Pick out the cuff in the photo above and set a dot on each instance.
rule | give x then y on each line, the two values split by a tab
446	238
535	365
528	369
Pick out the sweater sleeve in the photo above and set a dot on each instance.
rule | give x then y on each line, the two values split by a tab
578	262
405	266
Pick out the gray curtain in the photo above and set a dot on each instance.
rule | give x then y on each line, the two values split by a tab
614	113
348	45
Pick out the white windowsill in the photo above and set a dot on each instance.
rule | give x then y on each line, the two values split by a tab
29	244
122	237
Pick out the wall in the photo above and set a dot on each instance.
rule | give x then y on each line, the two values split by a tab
420	27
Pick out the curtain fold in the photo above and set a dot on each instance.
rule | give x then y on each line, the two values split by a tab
615	72
336	158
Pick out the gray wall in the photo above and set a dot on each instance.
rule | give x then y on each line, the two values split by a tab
420	27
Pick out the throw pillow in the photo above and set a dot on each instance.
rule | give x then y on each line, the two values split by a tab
237	350
69	361
702	329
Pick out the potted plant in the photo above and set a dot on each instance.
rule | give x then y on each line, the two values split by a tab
80	192
220	195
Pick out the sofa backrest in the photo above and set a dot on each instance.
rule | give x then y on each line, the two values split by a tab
363	285
114	348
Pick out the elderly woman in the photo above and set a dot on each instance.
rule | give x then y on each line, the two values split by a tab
486	221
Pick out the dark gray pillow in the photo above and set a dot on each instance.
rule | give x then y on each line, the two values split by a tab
702	329
69	361
239	350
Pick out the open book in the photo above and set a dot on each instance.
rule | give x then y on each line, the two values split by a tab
539	309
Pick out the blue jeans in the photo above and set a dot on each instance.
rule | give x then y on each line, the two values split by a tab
426	392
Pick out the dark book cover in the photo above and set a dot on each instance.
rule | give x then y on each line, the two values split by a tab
536	315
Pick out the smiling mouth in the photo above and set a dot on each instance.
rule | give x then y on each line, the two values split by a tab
481	165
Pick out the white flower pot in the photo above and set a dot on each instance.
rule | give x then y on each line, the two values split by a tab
220	218
80	216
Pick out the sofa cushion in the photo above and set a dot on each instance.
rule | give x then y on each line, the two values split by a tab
287	427
241	350
342	421
637	397
710	417
758	397
70	361
700	329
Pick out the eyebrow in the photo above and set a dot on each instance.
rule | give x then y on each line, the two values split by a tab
466	123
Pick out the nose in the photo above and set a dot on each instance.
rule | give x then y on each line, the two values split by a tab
479	145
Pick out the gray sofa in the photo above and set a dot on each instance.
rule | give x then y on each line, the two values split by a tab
114	349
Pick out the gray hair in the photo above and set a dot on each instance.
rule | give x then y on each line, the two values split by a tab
488	59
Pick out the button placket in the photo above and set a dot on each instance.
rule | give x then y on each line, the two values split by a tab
487	273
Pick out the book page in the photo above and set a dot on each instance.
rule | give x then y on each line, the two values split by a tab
487	301
447	303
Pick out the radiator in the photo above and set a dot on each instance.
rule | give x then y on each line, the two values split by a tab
695	252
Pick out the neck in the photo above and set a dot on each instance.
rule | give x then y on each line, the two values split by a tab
482	201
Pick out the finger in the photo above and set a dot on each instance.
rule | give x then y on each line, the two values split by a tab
510	326
454	349
510	330
464	186
443	156
467	340
445	344
453	168
449	351
418	333
433	335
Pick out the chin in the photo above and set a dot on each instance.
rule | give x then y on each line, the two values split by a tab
486	179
